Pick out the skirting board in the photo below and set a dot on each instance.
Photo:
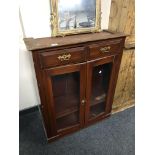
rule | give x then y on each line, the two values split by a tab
123	107
28	110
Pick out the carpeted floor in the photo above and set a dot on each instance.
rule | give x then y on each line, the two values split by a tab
113	136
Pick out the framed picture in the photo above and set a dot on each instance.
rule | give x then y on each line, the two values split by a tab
75	16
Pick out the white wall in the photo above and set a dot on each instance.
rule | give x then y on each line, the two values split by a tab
35	22
28	95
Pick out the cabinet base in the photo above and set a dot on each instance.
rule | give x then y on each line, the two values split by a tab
49	140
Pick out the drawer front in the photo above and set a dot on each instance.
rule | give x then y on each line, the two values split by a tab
62	57
104	49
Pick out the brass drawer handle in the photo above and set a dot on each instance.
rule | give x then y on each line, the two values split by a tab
105	49
64	57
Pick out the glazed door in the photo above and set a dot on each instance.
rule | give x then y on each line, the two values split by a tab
65	87
100	78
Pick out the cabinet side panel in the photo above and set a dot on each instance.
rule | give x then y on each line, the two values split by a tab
114	77
43	107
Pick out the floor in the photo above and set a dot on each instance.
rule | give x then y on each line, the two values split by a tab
113	136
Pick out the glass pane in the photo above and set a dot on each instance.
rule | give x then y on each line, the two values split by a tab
76	14
66	94
100	83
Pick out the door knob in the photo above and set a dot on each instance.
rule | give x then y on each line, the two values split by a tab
83	102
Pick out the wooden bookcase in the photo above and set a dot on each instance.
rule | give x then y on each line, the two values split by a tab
76	78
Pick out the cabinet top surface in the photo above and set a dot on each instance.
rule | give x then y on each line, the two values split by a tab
51	42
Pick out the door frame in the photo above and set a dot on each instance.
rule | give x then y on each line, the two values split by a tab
50	100
111	88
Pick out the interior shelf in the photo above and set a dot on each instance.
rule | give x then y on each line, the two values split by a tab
96	110
66	105
98	99
69	120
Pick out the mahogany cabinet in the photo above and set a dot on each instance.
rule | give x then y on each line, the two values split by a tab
76	78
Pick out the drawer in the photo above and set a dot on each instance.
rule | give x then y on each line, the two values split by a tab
104	48
62	57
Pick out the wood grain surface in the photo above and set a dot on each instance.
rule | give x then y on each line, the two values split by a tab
125	89
122	19
49	42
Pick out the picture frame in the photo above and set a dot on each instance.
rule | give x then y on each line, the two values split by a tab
75	16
